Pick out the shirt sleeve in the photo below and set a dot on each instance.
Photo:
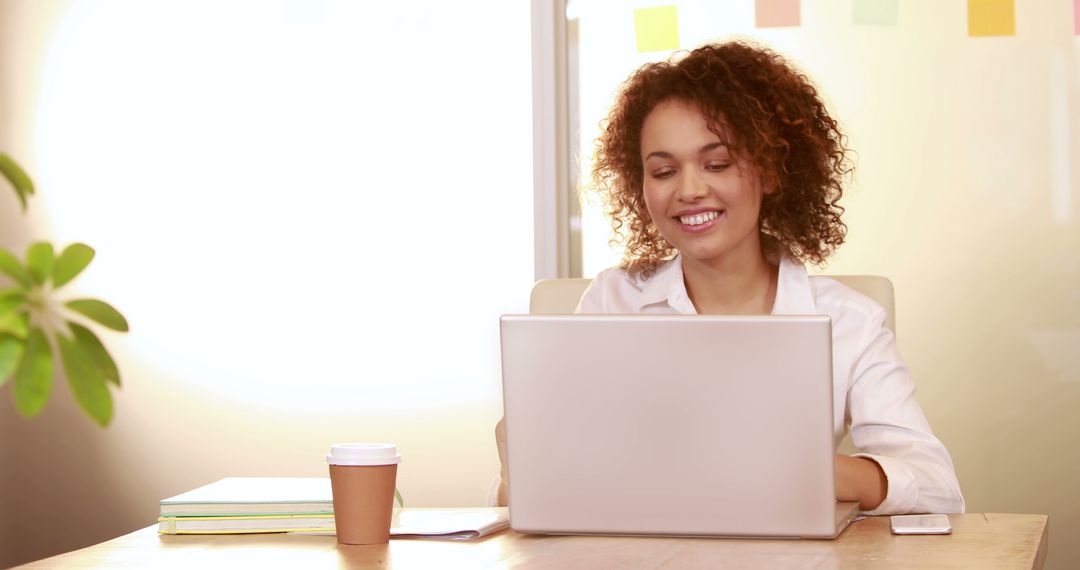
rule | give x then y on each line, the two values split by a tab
888	427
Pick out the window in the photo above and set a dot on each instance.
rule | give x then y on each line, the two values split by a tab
312	213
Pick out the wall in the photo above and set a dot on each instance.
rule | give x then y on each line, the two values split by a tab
24	27
284	199
966	195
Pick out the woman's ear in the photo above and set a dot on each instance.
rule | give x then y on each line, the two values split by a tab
769	186
767	182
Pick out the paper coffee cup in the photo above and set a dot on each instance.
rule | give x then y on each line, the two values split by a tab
363	477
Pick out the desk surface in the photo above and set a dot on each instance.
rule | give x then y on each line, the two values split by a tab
978	541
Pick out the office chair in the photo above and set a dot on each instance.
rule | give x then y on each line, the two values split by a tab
561	296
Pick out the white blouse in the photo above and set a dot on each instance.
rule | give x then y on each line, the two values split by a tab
871	385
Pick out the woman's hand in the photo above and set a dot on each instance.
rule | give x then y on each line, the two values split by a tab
860	479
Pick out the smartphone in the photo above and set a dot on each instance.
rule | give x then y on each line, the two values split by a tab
920	524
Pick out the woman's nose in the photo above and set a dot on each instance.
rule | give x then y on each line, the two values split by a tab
692	187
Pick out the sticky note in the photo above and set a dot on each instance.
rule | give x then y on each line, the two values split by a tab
774	13
657	29
991	18
876	12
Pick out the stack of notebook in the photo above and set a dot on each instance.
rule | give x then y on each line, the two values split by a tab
251	504
305	505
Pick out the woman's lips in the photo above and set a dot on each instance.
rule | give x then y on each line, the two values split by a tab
701	221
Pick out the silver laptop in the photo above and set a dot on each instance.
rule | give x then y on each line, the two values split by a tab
671	425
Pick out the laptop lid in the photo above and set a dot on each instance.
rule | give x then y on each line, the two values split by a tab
670	425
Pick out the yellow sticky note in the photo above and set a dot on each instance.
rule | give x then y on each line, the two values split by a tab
991	18
657	29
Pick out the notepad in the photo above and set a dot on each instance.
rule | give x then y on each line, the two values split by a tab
452	524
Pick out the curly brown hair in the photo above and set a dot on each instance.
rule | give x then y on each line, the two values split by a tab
767	112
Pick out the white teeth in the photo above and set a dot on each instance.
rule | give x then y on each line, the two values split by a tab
698	219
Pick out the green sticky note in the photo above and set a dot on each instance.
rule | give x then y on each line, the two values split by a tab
776	13
991	18
657	29
875	12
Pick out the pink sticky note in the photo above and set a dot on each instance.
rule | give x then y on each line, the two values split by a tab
775	13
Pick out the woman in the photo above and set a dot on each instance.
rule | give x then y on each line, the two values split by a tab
722	172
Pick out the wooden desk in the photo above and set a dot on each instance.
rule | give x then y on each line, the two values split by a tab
978	541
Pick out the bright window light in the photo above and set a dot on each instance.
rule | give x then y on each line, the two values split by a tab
312	205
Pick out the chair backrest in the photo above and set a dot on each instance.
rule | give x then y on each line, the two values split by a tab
561	296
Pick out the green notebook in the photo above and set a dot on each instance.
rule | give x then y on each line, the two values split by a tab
239	496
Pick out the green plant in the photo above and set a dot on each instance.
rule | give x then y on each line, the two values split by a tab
35	325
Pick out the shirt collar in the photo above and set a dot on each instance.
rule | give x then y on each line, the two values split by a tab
793	293
667	286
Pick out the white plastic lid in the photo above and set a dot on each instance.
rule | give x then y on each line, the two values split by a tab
363	454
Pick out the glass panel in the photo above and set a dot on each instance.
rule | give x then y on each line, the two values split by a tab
966	195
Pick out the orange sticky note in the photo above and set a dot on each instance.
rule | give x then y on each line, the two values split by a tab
657	29
775	13
991	18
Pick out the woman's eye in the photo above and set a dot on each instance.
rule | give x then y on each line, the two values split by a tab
666	173
717	166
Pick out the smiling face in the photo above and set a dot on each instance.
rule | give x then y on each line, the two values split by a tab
704	201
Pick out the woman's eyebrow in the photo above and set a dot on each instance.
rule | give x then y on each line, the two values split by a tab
664	154
659	154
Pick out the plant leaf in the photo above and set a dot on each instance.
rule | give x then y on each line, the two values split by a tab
86	380
10	265
33	375
11	350
101	312
71	262
10	299
15	323
89	343
39	260
17	177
